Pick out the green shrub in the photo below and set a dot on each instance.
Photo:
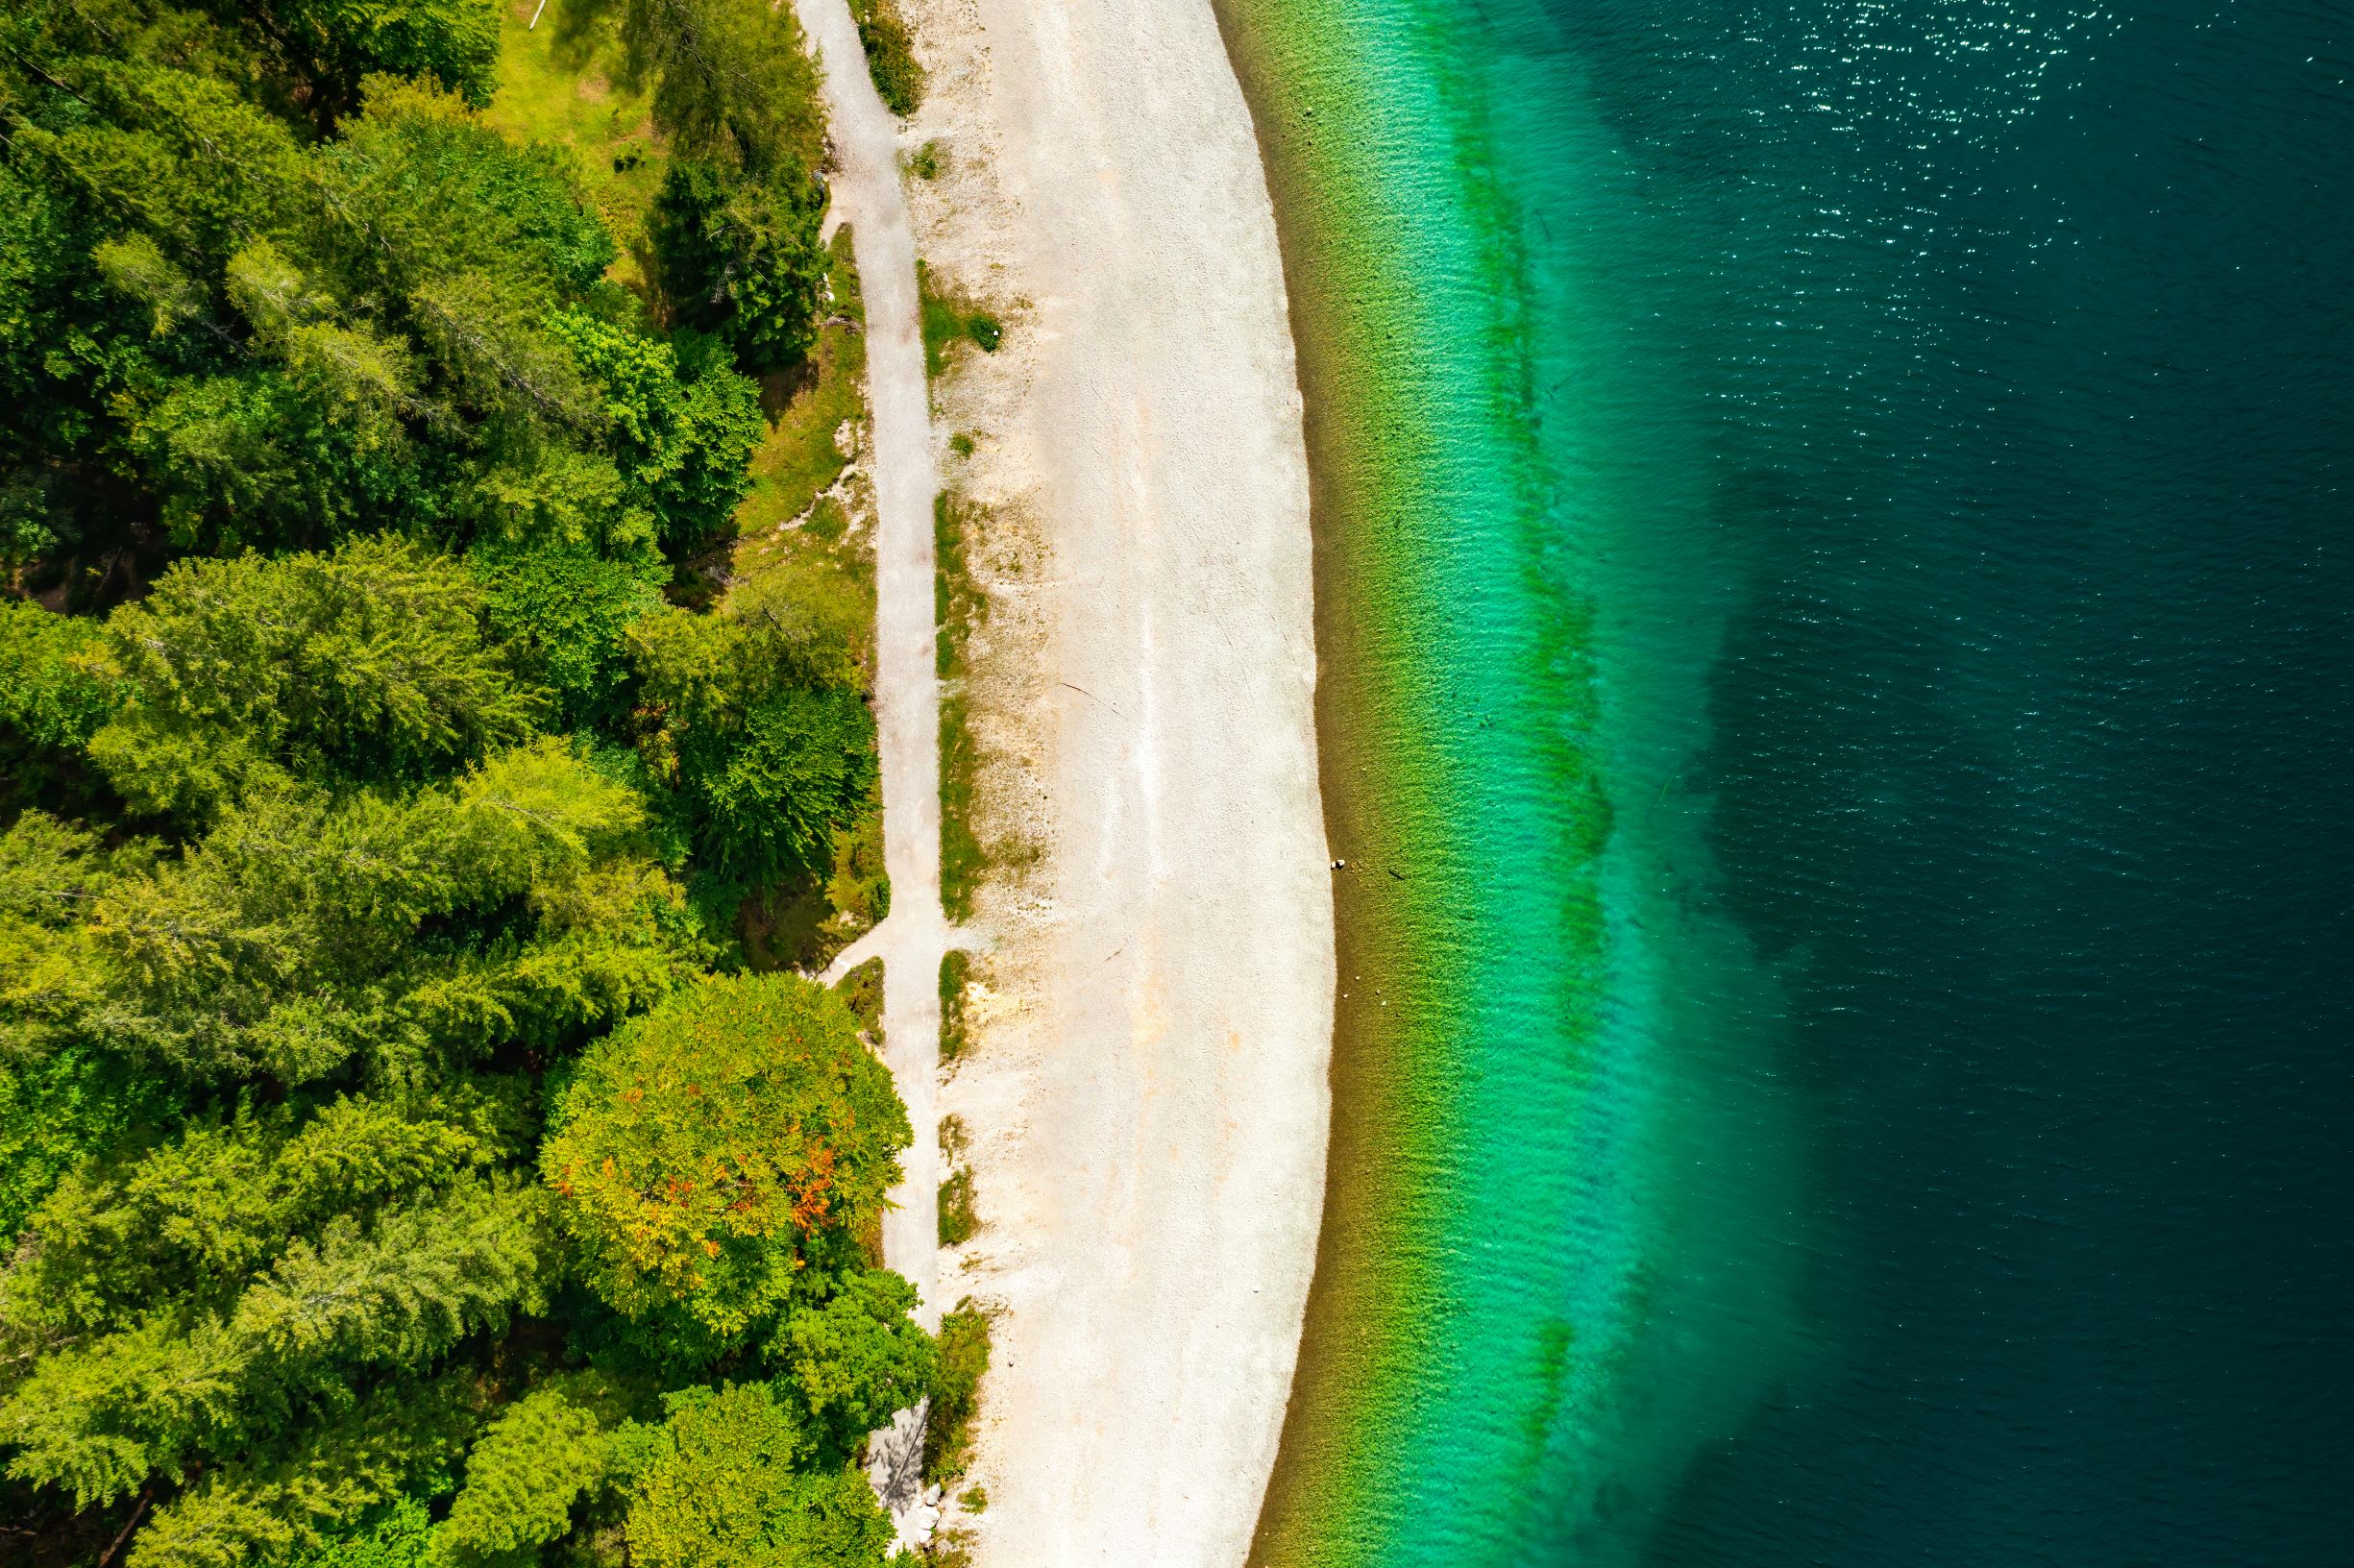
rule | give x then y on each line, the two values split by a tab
862	992
685	424
857	1358
752	716
800	763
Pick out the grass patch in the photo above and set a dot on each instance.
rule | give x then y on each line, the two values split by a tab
803	456
956	1392
962	861
958	607
955	970
973	1499
957	1219
949	1548
949	320
926	162
828	520
561	81
891	54
862	990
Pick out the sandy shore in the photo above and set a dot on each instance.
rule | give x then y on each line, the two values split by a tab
1147	1092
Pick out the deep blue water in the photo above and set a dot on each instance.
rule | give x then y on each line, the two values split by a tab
1986	391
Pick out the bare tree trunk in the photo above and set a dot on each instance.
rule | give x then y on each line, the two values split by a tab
129	1524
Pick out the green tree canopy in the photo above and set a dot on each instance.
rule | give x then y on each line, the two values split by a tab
306	931
376	1149
239	336
51	979
700	1145
249	1278
302	1496
756	723
53	696
368	665
731	82
856	1357
743	258
530	1468
684	427
333	45
395	1534
736	1483
563	613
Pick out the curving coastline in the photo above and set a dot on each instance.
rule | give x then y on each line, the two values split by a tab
1484	1268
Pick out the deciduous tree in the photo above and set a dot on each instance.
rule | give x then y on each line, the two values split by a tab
700	1145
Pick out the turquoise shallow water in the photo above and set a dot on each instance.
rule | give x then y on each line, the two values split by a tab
1902	452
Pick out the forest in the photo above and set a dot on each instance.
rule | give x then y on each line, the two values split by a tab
401	1160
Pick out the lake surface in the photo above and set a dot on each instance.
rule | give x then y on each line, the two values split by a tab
1901	457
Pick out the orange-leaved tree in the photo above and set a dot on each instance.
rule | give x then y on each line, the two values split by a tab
698	1150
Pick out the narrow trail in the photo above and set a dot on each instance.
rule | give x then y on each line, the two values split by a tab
911	941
